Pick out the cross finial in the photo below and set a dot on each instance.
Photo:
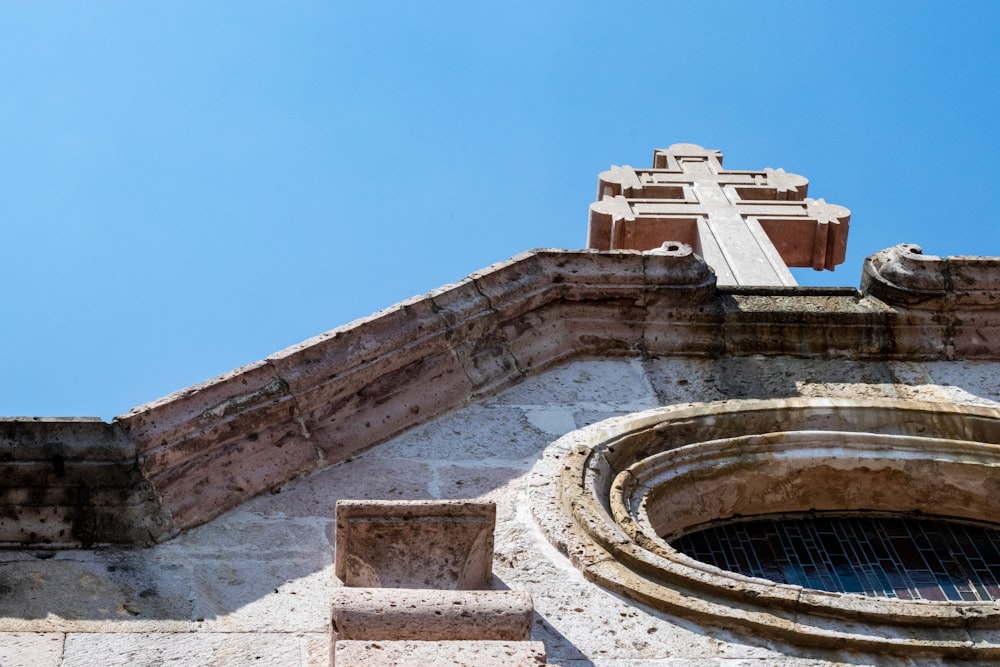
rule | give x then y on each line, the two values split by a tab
750	226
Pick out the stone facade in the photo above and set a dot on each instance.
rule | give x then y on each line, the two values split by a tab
260	580
202	529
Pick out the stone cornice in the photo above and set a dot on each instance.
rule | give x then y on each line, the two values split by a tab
951	302
217	444
905	276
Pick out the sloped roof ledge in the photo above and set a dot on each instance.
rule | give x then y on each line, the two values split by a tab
215	445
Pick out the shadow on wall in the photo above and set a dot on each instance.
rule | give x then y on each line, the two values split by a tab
268	564
758	377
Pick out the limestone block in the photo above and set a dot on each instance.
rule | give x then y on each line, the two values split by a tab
599	384
369	475
473	434
445	544
31	649
195	649
440	654
431	615
817	321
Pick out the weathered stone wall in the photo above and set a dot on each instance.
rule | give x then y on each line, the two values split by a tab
467	389
73	482
255	585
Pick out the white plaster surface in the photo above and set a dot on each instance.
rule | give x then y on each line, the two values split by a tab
254	586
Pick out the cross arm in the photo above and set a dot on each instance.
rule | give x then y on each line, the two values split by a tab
815	236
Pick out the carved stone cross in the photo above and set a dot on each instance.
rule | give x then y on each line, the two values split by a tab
749	226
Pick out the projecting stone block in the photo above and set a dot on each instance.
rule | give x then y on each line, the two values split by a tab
388	613
446	544
446	653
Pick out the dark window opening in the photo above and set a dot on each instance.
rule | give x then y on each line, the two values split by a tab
903	557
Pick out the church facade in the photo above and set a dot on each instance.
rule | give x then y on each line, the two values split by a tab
603	406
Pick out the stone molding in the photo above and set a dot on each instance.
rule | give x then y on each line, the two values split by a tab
420	570
950	301
431	615
626	485
904	276
210	447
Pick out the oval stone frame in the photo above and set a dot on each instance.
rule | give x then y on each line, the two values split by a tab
623	483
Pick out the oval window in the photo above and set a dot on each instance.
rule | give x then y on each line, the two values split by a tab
890	556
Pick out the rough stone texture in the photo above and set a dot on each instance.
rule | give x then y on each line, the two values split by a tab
444	544
433	615
31	649
949	300
219	443
200	650
73	482
762	377
478	391
190	456
446	654
631	484
964	382
243	573
749	226
263	573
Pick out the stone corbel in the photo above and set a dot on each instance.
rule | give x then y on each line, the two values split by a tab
905	276
675	268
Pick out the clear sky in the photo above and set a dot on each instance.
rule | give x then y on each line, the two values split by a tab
186	187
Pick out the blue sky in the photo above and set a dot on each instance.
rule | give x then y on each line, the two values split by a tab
187	187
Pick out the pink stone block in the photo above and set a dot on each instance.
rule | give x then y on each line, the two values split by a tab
443	544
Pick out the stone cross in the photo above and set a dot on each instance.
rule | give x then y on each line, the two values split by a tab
749	226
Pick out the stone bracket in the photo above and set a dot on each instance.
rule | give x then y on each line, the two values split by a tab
443	544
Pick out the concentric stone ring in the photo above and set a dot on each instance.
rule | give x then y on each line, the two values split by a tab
625	487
